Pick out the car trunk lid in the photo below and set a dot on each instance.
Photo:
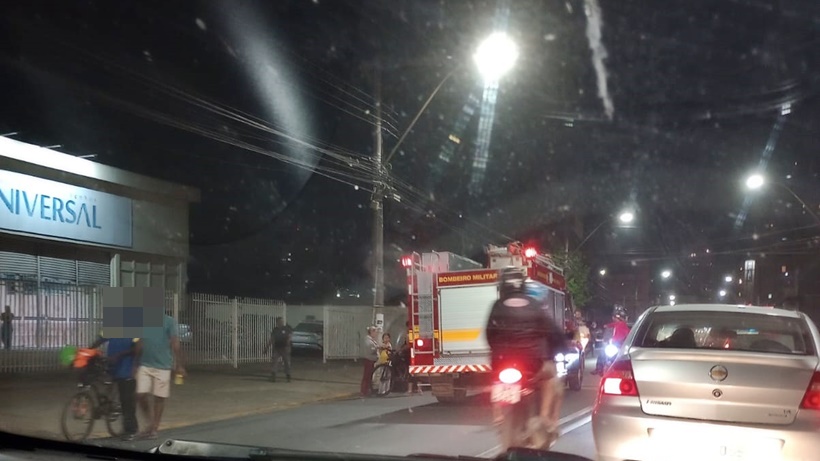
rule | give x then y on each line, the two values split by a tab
719	385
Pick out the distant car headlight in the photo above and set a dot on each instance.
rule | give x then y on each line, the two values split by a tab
611	350
559	357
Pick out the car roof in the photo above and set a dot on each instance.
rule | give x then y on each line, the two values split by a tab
736	308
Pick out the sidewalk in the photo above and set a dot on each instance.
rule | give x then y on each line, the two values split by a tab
32	403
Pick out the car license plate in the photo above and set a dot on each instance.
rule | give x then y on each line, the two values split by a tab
712	447
505	393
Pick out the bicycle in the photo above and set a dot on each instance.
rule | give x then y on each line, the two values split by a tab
96	399
390	376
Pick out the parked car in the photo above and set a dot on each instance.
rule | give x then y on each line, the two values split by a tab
308	335
699	381
185	335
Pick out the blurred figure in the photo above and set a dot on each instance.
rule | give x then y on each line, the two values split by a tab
369	355
385	349
620	330
584	334
158	354
6	328
281	339
120	353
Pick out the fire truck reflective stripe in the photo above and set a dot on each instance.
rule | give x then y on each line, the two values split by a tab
424	369
469	334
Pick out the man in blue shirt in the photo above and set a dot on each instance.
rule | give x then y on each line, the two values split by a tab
121	363
158	354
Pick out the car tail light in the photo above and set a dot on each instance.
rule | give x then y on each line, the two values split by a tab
509	376
811	400
619	379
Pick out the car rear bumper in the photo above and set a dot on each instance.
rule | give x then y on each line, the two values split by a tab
311	346
622	431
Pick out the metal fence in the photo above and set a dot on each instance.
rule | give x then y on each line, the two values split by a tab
213	329
216	329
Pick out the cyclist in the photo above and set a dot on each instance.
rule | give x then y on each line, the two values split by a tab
519	327
620	330
122	368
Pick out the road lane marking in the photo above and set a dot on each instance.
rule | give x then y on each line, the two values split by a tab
575	425
578	419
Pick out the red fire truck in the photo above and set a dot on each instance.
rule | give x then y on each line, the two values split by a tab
449	302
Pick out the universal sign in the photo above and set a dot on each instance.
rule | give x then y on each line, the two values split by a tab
52	209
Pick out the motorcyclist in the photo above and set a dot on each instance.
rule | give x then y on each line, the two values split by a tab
519	328
620	330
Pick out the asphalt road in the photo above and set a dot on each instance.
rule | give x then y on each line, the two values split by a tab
395	425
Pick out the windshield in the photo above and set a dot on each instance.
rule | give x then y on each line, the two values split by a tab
282	222
309	328
726	331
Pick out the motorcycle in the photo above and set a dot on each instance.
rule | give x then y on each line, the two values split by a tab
516	399
609	353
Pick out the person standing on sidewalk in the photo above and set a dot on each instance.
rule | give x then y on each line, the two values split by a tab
369	355
281	338
158	352
121	364
6	328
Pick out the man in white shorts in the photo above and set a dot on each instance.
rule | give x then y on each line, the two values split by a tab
158	352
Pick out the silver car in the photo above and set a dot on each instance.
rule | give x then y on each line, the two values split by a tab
712	382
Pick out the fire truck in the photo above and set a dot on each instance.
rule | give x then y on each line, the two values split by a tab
449	303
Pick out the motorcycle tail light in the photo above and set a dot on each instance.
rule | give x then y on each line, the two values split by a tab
619	379
509	376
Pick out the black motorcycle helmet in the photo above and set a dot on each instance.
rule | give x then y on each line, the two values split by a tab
511	280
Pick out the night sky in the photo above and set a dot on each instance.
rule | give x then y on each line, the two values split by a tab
267	107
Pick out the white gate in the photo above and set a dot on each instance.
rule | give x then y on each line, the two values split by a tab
346	326
216	329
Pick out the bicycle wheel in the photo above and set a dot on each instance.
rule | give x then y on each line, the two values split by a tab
382	380
112	413
81	408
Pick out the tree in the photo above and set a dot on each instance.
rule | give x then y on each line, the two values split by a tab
576	273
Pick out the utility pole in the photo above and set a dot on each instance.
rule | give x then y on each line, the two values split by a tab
377	202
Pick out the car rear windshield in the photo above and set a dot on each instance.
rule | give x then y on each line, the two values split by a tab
309	327
736	331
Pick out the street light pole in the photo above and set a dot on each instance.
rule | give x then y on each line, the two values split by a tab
497	46
418	115
377	202
794	194
625	217
756	181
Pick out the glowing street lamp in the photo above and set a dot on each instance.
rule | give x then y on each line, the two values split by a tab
602	272
728	279
755	181
722	293
626	217
671	297
666	274
495	56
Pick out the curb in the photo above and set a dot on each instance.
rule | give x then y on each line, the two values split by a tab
258	411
